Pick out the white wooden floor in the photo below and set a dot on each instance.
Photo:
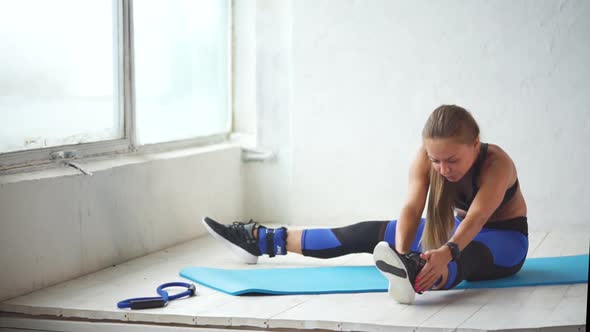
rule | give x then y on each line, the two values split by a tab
95	296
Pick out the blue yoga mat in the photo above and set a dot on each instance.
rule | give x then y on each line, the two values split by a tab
363	279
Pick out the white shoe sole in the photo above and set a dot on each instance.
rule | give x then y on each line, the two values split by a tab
400	288
244	255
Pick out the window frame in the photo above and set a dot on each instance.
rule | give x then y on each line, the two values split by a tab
33	159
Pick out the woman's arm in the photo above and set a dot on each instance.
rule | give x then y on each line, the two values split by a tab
496	176
411	212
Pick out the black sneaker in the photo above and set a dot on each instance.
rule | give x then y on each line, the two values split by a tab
400	270
239	237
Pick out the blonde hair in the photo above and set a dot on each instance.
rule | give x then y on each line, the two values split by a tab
447	121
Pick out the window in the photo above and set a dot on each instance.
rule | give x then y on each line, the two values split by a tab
102	76
181	88
57	74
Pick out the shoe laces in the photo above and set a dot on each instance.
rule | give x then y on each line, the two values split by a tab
243	231
414	258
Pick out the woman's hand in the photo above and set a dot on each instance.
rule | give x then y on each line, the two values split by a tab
436	265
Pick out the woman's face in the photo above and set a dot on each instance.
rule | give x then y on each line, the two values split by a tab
450	158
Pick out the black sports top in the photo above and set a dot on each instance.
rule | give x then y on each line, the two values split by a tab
463	200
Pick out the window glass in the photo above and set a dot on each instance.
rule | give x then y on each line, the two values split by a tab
58	73
181	52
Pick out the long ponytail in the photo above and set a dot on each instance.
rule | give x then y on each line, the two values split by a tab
447	121
439	214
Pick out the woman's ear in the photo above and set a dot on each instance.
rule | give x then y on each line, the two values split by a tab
476	144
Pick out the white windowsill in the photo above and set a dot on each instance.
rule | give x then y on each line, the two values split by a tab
97	164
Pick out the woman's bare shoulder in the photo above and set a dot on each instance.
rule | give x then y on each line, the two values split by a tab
497	157
421	161
495	152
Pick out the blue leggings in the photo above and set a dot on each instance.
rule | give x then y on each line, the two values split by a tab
497	251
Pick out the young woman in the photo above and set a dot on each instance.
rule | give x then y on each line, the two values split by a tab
475	227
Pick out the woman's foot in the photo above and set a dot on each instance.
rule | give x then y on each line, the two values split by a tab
400	269
240	237
249	240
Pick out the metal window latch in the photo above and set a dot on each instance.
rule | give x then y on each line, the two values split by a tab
78	167
66	157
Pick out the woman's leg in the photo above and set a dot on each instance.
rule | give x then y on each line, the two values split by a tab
294	242
493	254
333	242
361	237
250	240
